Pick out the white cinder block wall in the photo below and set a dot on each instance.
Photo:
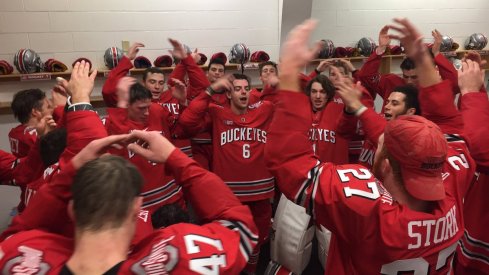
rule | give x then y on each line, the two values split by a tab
345	22
69	29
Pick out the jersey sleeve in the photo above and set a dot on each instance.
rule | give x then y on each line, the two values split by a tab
109	90
370	77
325	190
47	209
475	113
196	118
7	164
437	104
373	125
218	207
447	71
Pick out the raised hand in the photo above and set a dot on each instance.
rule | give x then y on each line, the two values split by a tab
223	84
81	82
438	39
96	148
296	53
351	94
58	95
196	55
348	64
323	65
470	77
178	51
384	40
133	50
179	91
410	38
45	125
156	147
123	87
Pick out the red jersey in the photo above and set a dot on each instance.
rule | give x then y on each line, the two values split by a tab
473	252
159	187
374	234
384	84
223	245
47	210
238	142
22	138
329	134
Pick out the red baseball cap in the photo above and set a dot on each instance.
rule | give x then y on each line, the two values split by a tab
220	55
421	149
5	67
163	61
259	56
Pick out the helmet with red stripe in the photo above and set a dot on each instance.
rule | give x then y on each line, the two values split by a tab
239	54
476	41
112	56
366	46
27	61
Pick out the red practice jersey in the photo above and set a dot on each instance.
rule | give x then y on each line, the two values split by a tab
21	139
384	84
222	245
238	142
329	134
374	233
473	251
159	187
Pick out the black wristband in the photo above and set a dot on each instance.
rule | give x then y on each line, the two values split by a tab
211	91
317	71
80	107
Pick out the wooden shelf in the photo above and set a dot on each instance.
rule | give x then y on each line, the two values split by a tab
43	76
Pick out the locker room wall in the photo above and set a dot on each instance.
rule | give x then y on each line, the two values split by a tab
69	29
345	22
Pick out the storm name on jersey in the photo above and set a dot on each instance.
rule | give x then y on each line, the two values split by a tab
433	231
322	135
243	134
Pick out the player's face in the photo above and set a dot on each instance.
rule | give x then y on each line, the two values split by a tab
318	96
215	72
139	110
240	95
410	77
266	72
395	106
335	77
155	83
46	109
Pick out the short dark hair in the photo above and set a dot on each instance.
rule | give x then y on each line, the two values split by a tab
243	76
217	61
51	145
266	63
408	64
26	100
325	83
169	214
138	92
411	97
152	70
103	193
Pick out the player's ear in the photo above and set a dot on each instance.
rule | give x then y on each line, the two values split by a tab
71	213
411	111
228	94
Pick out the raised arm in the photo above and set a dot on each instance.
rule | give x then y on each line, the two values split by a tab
475	112
109	90
436	97
195	118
